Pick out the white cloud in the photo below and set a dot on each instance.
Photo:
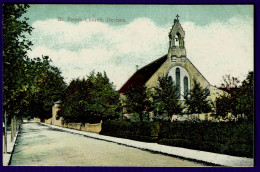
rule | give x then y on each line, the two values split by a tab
216	49
221	48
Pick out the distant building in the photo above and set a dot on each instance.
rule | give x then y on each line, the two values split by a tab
174	64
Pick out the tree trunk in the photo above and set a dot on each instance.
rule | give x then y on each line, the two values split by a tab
5	135
12	129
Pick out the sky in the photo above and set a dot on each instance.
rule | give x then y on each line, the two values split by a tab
219	39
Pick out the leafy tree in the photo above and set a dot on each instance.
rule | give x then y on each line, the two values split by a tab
196	99
246	97
239	99
227	103
15	59
165	98
47	87
90	100
223	105
137	100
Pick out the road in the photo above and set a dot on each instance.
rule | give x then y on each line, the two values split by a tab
39	145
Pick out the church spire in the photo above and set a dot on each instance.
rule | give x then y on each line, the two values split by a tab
176	20
176	38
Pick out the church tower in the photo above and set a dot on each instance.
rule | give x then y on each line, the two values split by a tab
176	42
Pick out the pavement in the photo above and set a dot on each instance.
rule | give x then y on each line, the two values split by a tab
195	155
10	148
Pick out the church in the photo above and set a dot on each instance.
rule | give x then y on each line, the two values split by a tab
174	64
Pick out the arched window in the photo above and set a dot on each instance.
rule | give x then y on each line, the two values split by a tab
177	42
178	82
181	80
185	83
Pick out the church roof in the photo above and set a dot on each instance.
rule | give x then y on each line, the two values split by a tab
140	77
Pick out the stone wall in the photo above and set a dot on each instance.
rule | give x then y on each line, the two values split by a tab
37	119
48	121
94	128
76	126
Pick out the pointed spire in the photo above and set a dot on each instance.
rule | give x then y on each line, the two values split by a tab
177	17
176	20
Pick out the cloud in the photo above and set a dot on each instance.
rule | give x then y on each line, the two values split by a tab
221	48
77	48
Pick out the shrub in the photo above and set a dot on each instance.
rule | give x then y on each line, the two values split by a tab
142	131
233	138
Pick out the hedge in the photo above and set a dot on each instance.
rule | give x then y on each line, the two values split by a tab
142	131
232	138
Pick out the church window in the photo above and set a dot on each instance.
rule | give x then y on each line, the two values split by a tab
178	81
176	40
185	83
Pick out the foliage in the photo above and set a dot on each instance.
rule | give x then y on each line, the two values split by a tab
142	131
239	99
230	82
47	87
15	60
30	86
196	99
223	105
137	100
165	98
234	138
90	100
245	100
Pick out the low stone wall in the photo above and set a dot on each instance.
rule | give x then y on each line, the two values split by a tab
48	121
76	126
37	119
94	128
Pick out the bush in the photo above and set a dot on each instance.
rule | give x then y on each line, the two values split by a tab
233	138
142	131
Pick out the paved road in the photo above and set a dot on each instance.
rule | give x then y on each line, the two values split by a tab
40	145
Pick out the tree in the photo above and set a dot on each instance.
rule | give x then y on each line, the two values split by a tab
165	98
239	99
137	100
223	105
15	59
196	99
230	82
245	98
90	100
47	87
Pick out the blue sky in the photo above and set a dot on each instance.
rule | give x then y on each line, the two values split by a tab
219	38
